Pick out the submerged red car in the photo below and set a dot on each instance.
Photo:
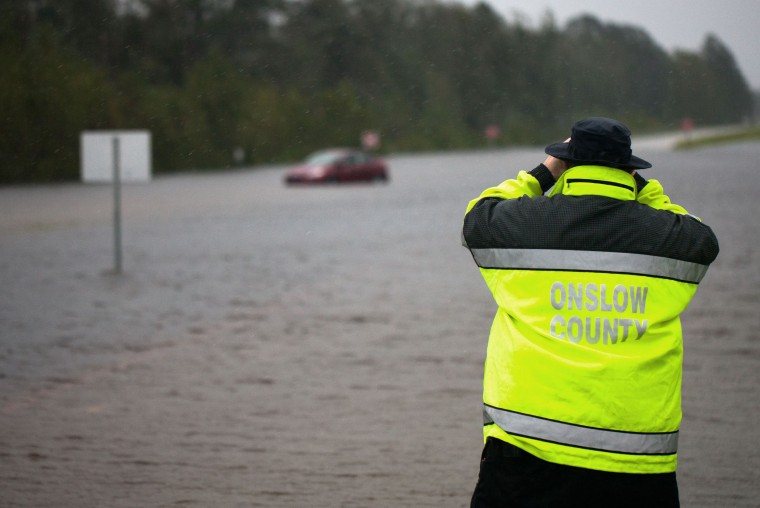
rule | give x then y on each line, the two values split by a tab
338	165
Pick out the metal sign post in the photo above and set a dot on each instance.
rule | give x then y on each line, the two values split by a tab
116	206
116	156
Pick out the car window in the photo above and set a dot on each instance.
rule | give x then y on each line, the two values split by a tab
360	158
323	158
332	157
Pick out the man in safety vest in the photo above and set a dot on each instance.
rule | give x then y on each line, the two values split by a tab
582	384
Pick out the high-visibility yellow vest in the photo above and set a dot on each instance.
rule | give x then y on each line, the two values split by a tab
583	365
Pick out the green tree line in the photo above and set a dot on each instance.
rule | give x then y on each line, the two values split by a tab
280	78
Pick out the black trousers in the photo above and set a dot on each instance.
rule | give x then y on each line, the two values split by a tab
512	478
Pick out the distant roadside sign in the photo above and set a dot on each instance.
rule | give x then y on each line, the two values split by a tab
370	140
492	132
97	157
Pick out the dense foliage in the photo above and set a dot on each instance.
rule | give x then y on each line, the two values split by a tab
280	78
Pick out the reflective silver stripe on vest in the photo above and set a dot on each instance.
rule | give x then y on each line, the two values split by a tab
638	443
590	261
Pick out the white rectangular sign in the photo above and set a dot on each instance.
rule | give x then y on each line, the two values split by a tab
97	158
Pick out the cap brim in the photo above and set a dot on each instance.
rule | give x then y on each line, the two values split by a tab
561	151
558	150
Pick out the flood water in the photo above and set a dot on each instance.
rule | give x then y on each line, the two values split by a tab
280	347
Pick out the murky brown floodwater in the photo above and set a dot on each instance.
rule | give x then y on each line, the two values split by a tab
280	347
